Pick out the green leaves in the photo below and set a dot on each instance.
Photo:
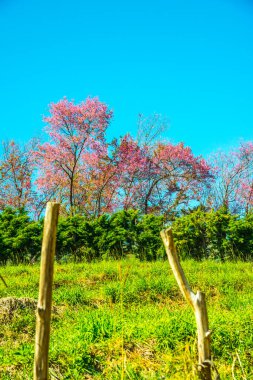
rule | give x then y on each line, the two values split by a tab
75	238
110	236
20	238
214	234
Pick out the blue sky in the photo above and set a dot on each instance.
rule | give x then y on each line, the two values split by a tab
191	61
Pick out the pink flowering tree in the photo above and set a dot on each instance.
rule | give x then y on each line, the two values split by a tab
131	163
175	178
158	177
245	190
88	175
16	170
77	137
233	186
114	179
100	178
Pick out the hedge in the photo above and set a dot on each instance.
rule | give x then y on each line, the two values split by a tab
199	235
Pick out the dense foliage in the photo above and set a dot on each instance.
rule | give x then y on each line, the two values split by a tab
20	238
78	238
200	234
214	234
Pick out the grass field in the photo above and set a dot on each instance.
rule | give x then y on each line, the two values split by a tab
127	320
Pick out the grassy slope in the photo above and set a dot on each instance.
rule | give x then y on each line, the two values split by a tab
128	321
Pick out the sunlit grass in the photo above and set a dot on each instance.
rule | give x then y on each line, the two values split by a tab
128	320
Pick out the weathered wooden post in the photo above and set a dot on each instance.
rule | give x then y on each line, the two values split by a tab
197	302
45	292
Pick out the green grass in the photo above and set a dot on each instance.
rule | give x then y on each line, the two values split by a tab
128	320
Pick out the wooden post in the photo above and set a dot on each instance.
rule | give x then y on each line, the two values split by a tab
198	304
45	292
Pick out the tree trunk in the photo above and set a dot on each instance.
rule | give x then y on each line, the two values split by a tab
71	195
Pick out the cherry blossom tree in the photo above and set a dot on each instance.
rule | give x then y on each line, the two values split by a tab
233	186
77	135
100	183
175	178
16	170
131	161
89	175
115	176
158	177
245	189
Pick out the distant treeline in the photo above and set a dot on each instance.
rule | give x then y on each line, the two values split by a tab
199	235
92	175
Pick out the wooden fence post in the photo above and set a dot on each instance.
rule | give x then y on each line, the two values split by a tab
197	302
45	292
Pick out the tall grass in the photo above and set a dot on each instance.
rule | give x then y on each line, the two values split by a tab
127	320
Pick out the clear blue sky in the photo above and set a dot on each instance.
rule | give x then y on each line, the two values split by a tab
190	60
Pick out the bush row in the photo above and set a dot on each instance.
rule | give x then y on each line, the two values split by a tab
109	236
215	234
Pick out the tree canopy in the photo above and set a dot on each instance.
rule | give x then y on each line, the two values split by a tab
90	175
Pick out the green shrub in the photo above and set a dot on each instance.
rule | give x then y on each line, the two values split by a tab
241	237
75	239
215	234
20	238
116	234
149	245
